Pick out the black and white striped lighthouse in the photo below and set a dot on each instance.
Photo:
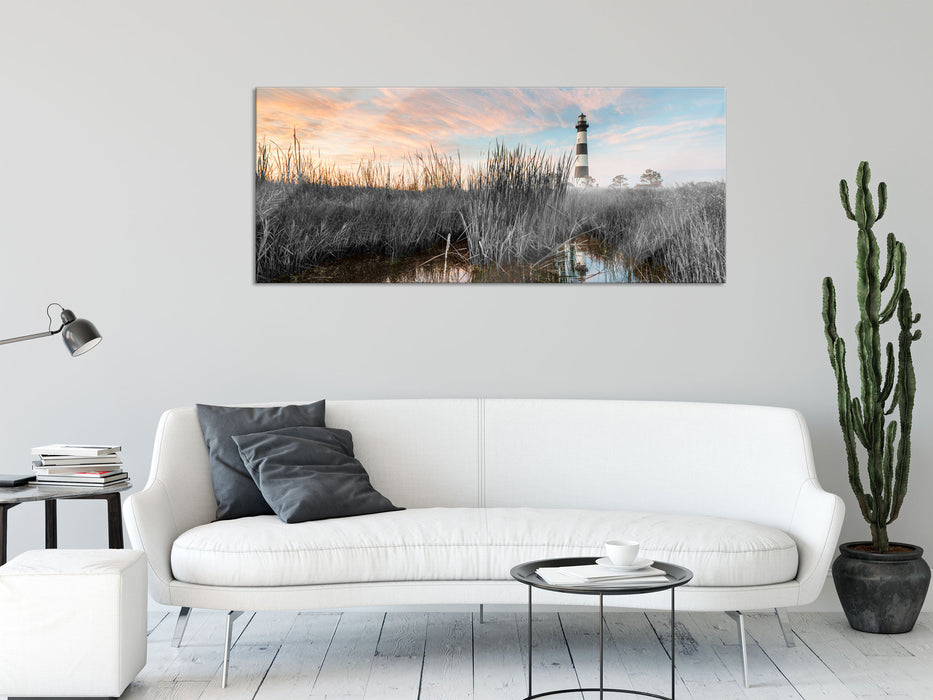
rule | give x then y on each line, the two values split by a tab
581	166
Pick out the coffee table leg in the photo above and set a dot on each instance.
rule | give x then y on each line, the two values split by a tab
600	646
529	641
51	524
672	644
115	520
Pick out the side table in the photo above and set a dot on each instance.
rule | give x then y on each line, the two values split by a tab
15	495
525	573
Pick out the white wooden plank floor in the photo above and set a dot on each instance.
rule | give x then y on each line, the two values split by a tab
435	656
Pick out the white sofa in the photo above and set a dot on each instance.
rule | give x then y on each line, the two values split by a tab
729	491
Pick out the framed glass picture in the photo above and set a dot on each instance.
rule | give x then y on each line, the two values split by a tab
490	185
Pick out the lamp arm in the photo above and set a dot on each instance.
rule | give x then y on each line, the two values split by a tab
70	317
43	334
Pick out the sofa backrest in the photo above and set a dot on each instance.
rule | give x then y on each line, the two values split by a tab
746	462
726	460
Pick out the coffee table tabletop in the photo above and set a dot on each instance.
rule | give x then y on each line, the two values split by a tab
677	576
44	492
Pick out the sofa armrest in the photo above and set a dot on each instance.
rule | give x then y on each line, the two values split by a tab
815	525
151	526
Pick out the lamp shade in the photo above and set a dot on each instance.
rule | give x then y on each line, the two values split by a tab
79	334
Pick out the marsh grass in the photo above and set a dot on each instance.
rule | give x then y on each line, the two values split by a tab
681	228
515	208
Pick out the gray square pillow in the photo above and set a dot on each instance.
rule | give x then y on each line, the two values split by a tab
234	489
308	473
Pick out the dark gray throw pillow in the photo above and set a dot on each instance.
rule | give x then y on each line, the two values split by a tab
234	489
310	473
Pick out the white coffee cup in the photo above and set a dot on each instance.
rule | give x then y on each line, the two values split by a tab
621	552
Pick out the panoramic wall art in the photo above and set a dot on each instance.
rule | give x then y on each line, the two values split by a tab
495	185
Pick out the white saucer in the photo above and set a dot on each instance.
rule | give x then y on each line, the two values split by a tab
606	562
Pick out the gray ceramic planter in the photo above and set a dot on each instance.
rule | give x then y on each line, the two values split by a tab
881	593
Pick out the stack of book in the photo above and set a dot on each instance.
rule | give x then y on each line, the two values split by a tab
594	575
78	465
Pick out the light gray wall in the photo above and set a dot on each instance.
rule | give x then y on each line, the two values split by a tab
126	185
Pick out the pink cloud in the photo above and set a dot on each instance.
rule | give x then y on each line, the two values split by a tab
345	124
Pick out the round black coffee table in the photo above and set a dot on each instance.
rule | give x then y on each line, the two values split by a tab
525	573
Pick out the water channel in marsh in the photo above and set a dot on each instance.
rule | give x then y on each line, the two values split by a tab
581	260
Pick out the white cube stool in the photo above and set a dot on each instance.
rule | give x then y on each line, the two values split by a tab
72	622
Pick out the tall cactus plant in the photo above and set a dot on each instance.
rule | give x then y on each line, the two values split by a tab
883	390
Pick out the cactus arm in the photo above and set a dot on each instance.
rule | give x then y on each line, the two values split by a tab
850	413
858	424
829	318
844	196
908	383
882	200
846	423
888	373
887	468
860	216
900	278
889	266
894	400
864	207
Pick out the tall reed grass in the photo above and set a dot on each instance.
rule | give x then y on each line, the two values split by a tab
513	211
515	207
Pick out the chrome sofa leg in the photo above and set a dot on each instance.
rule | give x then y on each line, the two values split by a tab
740	623
231	616
784	622
180	624
481	620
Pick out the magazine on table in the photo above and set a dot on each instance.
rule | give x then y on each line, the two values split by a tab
65	450
595	575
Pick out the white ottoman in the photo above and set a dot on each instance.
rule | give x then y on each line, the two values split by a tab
72	622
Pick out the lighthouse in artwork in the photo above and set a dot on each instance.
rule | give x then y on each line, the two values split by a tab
581	165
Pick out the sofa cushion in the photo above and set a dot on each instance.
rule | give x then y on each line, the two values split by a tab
235	491
471	544
309	473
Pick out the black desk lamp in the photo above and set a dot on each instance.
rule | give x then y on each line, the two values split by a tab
79	334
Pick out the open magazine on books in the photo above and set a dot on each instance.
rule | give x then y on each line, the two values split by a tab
593	575
74	450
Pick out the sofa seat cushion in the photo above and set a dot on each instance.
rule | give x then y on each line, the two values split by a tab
437	544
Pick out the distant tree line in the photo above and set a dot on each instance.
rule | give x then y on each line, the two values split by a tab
649	178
